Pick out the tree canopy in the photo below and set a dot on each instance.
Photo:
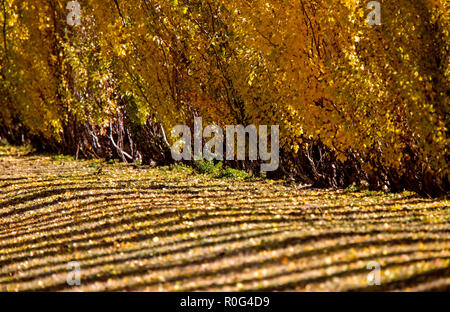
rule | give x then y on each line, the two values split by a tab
355	102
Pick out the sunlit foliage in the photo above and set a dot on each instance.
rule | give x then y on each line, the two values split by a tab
354	102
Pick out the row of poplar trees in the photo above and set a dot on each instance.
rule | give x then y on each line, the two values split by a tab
354	102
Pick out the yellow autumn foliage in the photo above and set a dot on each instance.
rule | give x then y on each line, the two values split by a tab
372	99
